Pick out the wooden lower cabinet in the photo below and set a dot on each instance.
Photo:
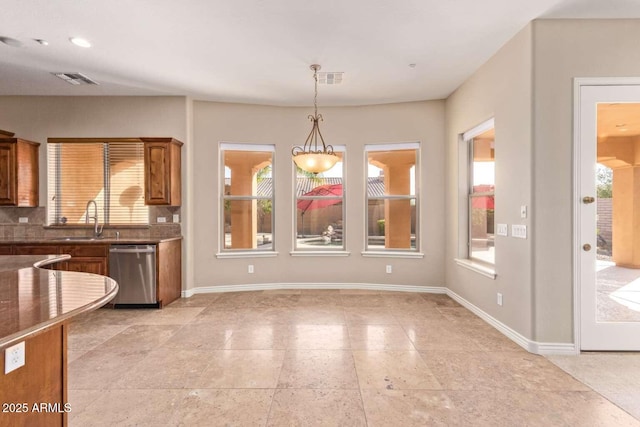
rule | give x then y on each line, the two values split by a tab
35	250
85	265
169	271
94	258
36	393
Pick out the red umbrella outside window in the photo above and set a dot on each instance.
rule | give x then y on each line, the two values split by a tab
322	190
483	202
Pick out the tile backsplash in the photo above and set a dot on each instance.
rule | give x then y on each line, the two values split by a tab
11	227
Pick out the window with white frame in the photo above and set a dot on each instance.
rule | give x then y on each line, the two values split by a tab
481	196
109	173
247	197
320	208
392	197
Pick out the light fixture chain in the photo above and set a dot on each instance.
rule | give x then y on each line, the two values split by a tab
315	97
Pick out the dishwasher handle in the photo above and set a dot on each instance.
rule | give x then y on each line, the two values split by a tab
141	250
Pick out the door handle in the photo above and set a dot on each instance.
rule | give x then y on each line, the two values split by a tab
586	247
587	200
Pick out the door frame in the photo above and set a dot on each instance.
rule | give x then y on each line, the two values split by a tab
578	82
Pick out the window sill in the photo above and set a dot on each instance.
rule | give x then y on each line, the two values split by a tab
320	253
477	267
390	254
247	254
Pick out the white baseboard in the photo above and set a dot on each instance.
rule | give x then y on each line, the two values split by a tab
276	286
522	341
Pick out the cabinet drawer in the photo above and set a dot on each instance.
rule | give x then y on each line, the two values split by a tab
85	250
86	265
6	250
35	250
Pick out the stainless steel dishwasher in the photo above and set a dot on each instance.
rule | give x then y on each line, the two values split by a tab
134	268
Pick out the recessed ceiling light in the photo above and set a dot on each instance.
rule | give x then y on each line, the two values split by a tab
79	41
42	42
412	65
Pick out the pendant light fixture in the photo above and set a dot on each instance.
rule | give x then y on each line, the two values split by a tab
315	156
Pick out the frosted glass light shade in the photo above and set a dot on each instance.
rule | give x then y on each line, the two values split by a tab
315	162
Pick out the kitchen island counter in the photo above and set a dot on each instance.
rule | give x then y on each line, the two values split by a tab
33	299
36	305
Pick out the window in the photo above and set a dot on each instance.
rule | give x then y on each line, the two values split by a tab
109	173
247	200
320	208
481	199
392	197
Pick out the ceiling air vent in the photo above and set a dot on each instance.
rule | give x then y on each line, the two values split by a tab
330	78
75	78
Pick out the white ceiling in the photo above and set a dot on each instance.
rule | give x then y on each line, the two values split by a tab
259	51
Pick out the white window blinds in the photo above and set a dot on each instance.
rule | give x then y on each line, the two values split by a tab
111	173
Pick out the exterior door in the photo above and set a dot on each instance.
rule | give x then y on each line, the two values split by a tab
608	216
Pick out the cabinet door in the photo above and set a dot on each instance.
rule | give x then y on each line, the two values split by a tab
86	265
157	163
7	173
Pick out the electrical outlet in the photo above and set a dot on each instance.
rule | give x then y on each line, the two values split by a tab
14	357
250	269
23	220
176	218
389	269
162	219
499	299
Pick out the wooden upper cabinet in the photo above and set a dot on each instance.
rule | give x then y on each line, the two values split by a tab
18	171
162	178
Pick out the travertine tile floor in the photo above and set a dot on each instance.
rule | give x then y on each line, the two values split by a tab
305	358
614	375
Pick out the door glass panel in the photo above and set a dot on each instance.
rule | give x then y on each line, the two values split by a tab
618	214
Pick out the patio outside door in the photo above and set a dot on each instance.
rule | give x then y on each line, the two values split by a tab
608	216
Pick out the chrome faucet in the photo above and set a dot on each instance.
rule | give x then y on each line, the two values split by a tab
97	231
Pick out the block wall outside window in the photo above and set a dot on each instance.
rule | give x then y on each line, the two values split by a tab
109	173
247	197
392	197
481	199
320	208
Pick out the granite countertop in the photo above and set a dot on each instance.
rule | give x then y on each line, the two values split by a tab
33	299
82	240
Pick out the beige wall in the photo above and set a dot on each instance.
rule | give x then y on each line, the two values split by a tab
501	89
528	87
37	118
285	127
563	50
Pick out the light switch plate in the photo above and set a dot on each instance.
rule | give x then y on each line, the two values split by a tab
519	231
502	229
176	218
